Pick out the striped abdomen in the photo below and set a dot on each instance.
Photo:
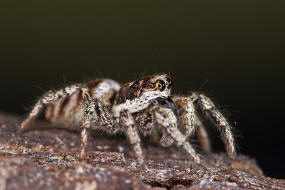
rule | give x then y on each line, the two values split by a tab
69	110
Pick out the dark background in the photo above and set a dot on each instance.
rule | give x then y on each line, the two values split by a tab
231	50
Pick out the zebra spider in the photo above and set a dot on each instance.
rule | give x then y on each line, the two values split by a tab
138	106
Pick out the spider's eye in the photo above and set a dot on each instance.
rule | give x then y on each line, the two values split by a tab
161	85
169	83
136	84
152	85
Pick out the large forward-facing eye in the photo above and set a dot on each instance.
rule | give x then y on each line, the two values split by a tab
161	85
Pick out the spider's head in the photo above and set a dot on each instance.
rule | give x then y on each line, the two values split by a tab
158	83
153	86
137	95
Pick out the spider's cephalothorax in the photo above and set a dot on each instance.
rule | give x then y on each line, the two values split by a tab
139	106
136	96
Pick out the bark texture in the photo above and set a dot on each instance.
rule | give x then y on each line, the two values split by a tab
47	158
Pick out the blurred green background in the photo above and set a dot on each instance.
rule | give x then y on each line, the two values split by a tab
231	50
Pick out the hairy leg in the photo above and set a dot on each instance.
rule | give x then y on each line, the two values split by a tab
95	108
146	122
210	110
190	121
187	115
127	121
166	119
203	136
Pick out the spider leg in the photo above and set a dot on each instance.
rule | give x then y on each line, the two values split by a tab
48	98
86	123
166	119
166	140
190	121
203	136
105	118
187	115
208	107
145	121
146	124
127	121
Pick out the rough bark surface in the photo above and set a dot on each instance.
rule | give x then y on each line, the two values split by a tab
46	158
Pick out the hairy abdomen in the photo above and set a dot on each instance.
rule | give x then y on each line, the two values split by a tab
69	110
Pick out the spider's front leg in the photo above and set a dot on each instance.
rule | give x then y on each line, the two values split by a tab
190	121
146	124
127	121
111	125
167	121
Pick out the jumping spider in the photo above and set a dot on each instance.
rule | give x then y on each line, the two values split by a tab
137	106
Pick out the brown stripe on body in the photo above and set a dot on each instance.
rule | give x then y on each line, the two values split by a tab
69	109
64	107
93	84
111	96
105	93
49	112
74	102
63	103
129	92
79	99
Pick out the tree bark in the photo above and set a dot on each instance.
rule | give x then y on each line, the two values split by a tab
47	158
